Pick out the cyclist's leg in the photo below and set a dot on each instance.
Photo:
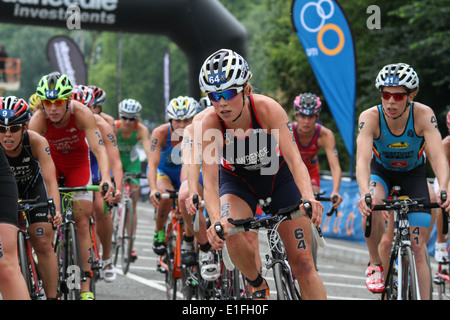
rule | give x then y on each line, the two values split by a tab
242	251
415	185
41	234
418	236
12	283
81	218
163	183
188	255
104	229
296	236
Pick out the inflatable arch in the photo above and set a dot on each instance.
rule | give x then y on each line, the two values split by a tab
198	27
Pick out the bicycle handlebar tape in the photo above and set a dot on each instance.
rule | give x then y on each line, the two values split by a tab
368	199
317	231
444	213
52	209
225	256
196	218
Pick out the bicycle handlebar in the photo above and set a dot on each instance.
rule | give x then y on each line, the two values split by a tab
393	204
30	204
169	195
319	197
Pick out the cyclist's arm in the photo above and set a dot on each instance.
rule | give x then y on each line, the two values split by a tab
112	150
156	142
41	151
328	142
85	120
210	169
367	124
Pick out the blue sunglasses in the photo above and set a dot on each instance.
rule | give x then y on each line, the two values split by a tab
226	94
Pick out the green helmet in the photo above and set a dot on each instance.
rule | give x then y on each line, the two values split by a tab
54	86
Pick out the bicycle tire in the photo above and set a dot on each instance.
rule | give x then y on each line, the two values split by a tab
72	259
127	236
116	241
170	281
24	261
283	283
409	283
189	282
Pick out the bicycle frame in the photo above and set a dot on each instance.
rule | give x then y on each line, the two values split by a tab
68	272
34	283
401	244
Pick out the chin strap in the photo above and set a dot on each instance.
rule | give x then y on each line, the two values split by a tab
21	140
406	107
243	105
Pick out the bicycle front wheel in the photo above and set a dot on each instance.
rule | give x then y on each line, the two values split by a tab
23	260
283	283
409	289
127	237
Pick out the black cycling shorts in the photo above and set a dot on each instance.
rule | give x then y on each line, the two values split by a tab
8	199
280	187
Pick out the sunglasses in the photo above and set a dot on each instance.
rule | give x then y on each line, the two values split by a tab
128	118
397	96
14	128
58	102
226	94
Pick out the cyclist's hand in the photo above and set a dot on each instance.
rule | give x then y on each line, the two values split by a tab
57	220
317	210
446	203
153	199
335	199
117	196
190	206
108	195
214	239
363	208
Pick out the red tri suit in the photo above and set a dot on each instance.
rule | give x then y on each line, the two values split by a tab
70	152
309	154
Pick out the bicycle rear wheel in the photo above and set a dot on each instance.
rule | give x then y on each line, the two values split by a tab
127	237
409	280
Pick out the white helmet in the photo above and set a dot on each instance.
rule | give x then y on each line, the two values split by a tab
222	70
205	103
182	108
397	74
130	106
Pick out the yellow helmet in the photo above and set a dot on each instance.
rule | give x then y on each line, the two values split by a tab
34	101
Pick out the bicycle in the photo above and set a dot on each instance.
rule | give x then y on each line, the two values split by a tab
170	262
230	284
277	260
27	258
123	217
401	280
442	277
67	249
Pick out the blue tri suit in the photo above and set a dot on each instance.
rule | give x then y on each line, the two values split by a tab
399	160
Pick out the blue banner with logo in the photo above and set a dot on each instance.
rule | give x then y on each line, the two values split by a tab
326	37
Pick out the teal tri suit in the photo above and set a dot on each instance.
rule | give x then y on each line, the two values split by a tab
399	160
